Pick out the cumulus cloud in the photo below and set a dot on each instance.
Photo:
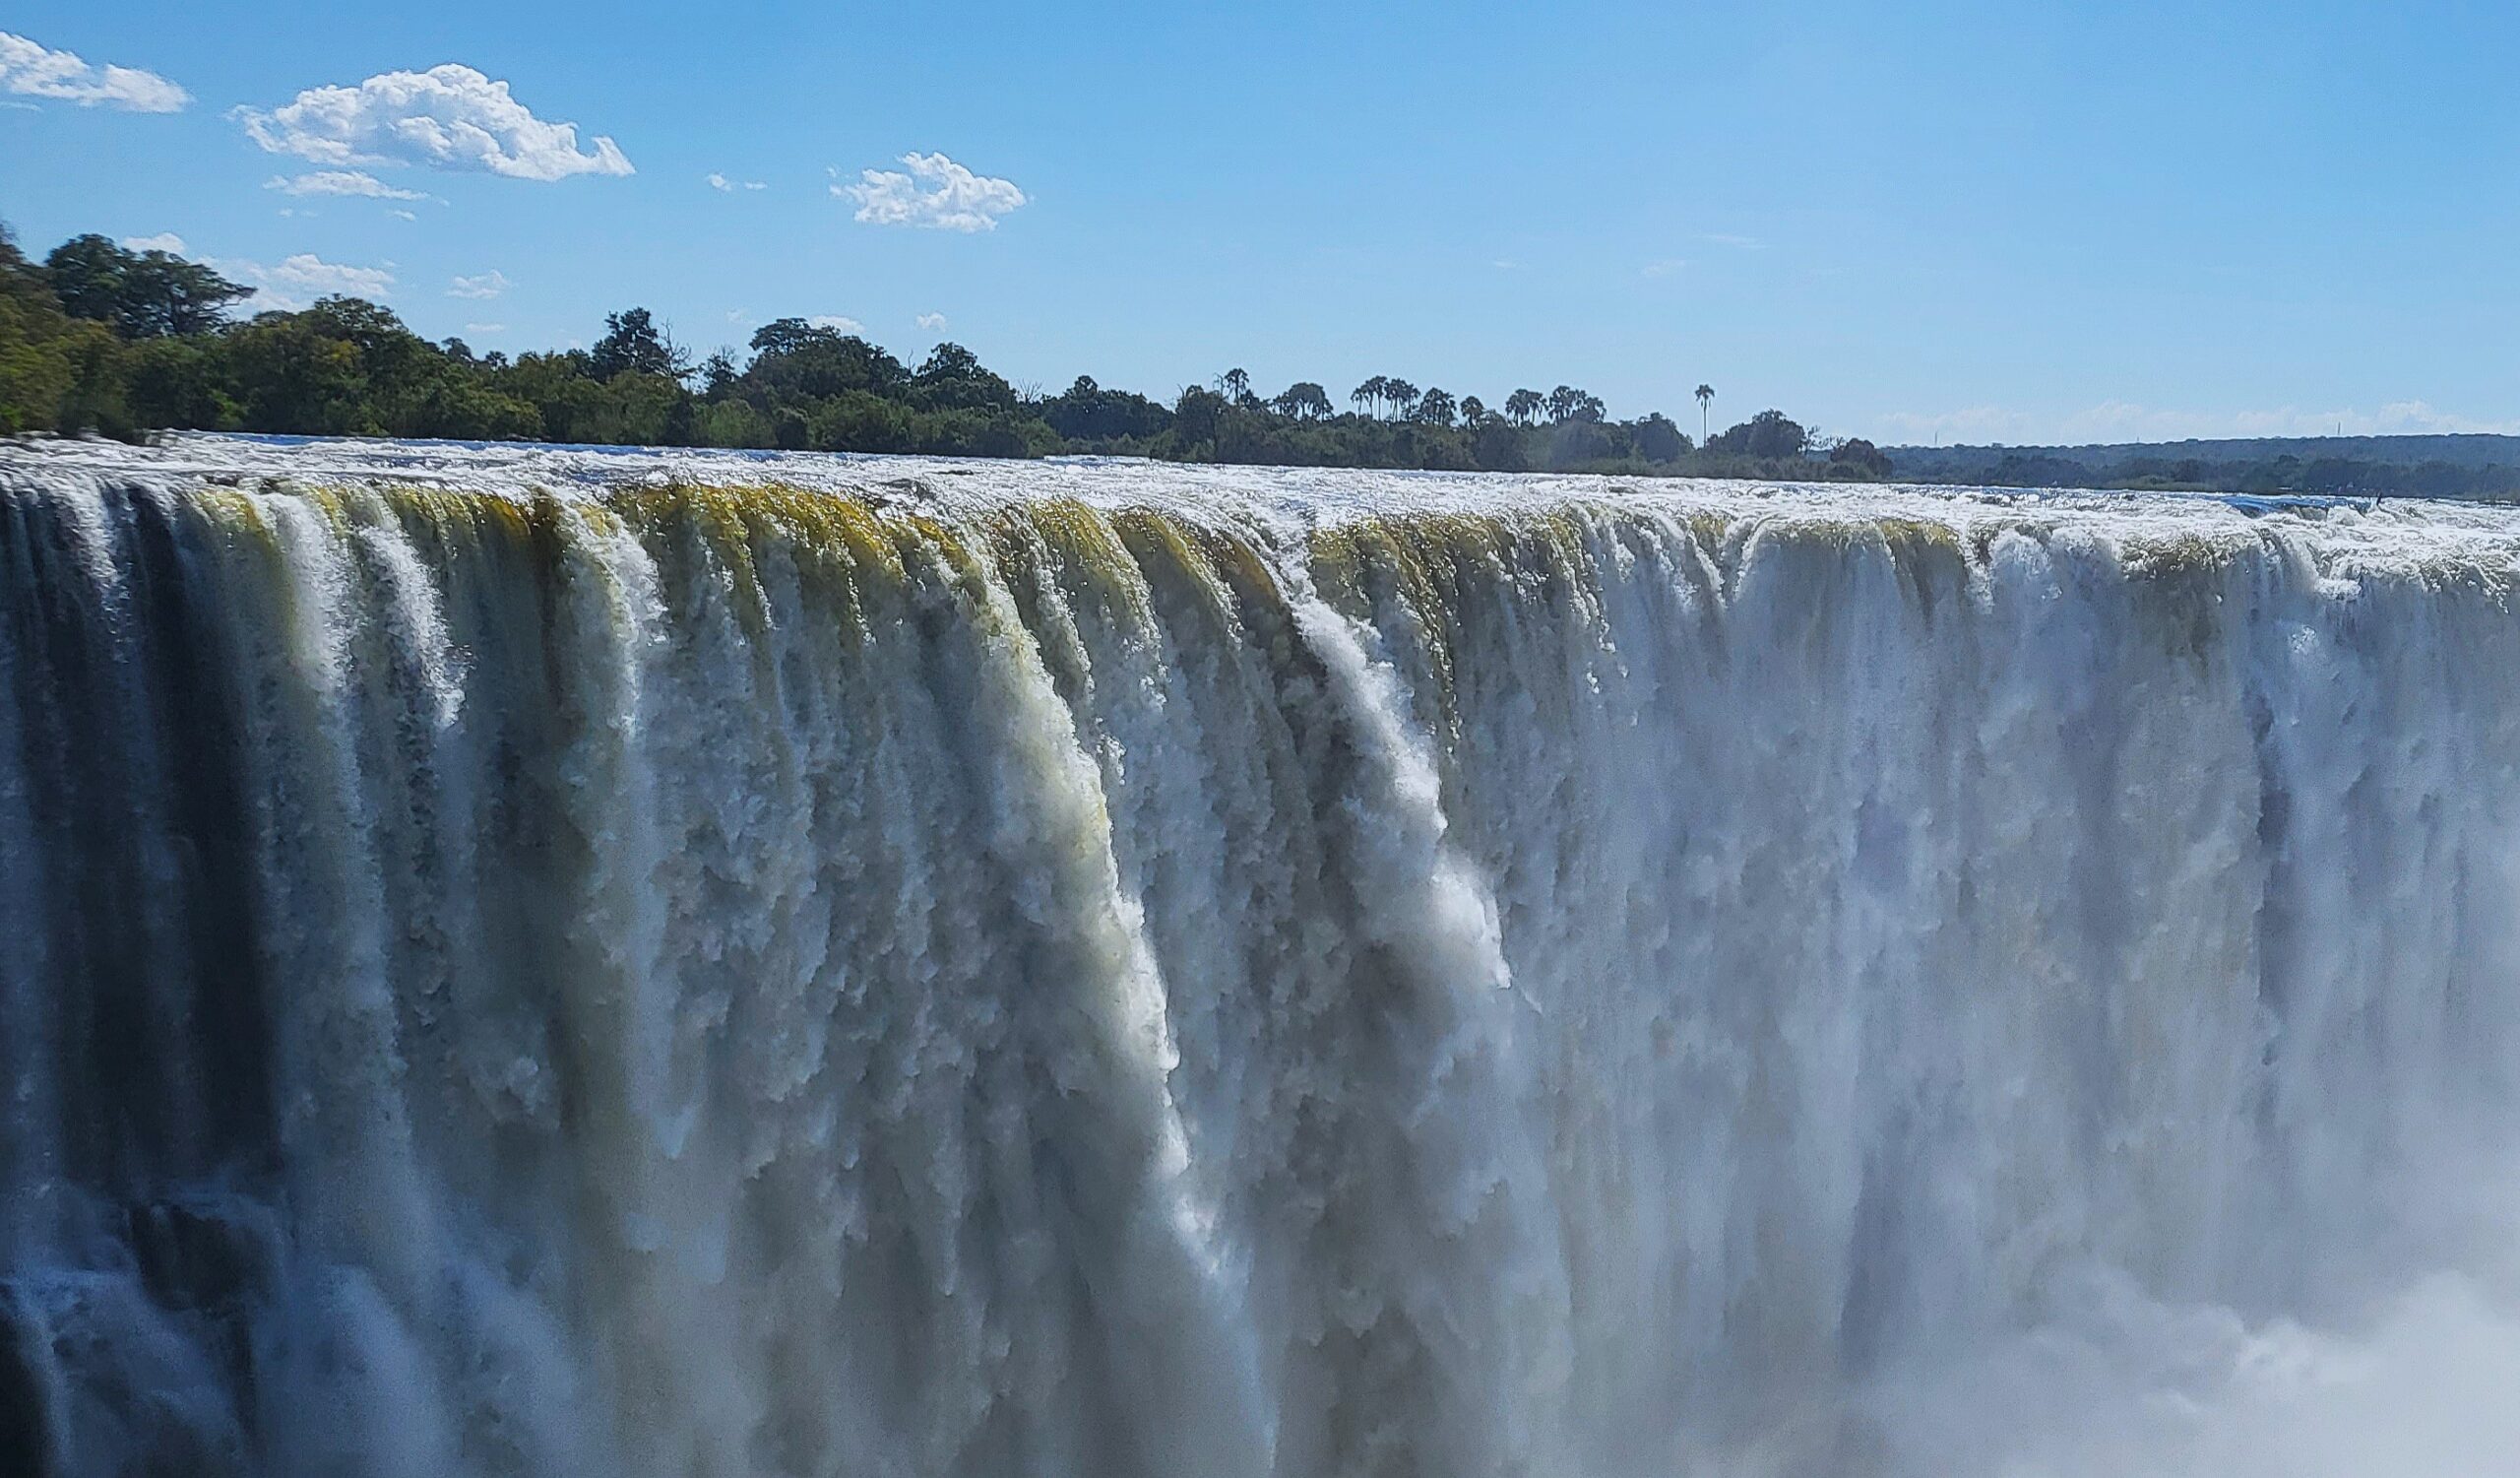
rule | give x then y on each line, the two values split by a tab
720	182
299	280
486	285
309	272
836	323
2128	422
162	241
35	71
448	117
341	182
936	194
931	321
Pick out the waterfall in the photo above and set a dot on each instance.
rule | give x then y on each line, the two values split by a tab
702	966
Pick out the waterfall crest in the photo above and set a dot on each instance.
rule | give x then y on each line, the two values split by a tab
726	966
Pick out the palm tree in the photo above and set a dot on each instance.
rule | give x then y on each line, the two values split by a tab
1705	398
1368	395
1401	394
1523	406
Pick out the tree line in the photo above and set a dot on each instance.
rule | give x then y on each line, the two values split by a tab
2275	472
97	337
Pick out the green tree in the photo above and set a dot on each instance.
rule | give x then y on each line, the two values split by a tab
1658	440
1196	417
1524	406
140	294
1436	408
859	421
1769	435
1086	411
296	375
1497	445
953	378
38	346
1859	457
795	360
1302	401
1566	403
1705	398
633	343
179	382
731	423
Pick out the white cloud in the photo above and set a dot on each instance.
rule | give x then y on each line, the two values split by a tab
449	117
1666	266
162	241
485	328
341	182
407	215
836	323
486	285
309	272
2126	422
301	278
931	321
719	181
937	194
39	72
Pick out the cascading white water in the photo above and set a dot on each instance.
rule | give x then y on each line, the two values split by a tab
533	963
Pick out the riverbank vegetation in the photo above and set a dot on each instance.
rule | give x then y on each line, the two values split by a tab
2341	467
100	338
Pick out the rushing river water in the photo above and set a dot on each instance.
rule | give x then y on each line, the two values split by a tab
553	963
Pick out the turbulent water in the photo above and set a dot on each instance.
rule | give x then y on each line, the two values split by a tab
709	966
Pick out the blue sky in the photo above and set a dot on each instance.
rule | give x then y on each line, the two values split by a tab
1983	221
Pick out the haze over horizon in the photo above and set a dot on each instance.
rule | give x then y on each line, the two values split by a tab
1960	222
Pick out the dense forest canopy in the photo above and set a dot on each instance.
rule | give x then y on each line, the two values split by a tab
97	337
